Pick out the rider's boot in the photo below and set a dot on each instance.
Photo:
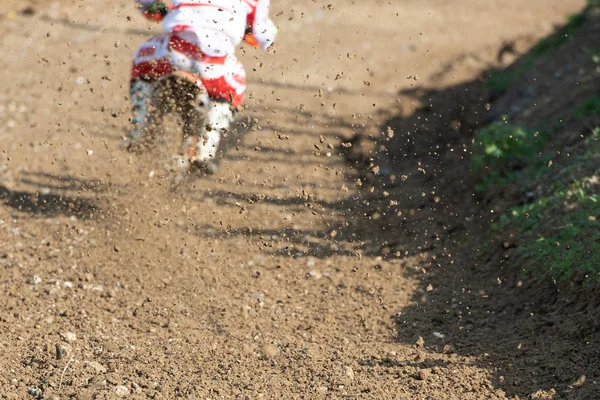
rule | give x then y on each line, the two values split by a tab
201	149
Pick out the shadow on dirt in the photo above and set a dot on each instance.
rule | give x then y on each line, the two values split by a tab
50	198
63	182
312	88
539	339
230	198
84	26
533	340
287	242
335	238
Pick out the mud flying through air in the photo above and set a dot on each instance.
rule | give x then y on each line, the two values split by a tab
294	271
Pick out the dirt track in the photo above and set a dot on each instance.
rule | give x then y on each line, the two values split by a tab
253	284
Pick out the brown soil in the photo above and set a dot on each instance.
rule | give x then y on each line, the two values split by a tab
284	276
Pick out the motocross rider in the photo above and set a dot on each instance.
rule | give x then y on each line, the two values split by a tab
201	38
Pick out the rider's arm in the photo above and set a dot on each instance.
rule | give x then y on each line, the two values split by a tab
154	10
262	28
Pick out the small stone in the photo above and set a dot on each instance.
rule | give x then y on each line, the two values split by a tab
439	335
349	373
420	342
258	297
28	11
424	374
314	275
63	350
580	381
246	312
94	288
137	388
99	368
121	391
69	336
89	152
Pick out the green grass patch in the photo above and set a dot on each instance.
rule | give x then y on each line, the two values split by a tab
588	107
502	150
560	232
593	3
557	222
593	53
500	81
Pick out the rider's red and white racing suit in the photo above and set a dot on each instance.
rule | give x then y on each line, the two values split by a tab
201	37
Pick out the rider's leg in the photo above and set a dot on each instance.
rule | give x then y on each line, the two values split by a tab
194	116
150	62
141	92
225	80
218	119
203	135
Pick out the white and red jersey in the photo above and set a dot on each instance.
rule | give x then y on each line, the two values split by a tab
220	25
